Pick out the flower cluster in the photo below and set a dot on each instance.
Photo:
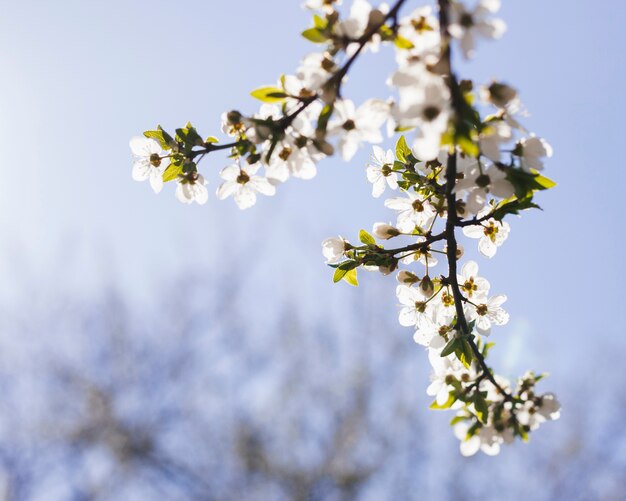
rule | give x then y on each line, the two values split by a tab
465	162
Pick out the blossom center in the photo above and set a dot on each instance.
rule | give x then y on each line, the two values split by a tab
349	125
155	159
418	206
285	153
469	286
243	178
447	299
491	231
430	113
467	21
420	25
482	309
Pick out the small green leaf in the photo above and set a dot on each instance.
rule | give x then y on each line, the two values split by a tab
343	269
314	35
172	172
163	138
482	409
446	405
402	150
320	22
545	182
449	348
325	114
468	146
269	94
457	419
366	238
351	278
211	139
403	43
464	352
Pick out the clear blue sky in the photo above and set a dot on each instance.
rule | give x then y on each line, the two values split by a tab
80	78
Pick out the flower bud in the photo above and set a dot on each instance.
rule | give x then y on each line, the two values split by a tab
385	231
501	94
233	117
427	288
406	277
389	267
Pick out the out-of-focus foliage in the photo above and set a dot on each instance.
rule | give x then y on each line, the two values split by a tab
202	399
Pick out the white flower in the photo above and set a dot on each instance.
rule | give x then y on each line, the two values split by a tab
467	24
430	329
491	233
323	5
191	188
488	313
296	88
354	126
232	123
478	183
549	407
442	368
362	16
413	305
334	249
379	172
496	133
470	283
315	69
412	211
533	149
148	161
424	103
243	185
420	28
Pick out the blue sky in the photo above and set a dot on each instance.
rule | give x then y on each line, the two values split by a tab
80	78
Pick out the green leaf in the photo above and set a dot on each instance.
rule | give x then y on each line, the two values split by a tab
402	150
464	352
525	183
211	139
450	348
468	146
314	35
545	182
172	172
320	22
189	137
482	409
403	43
447	405
351	278
366	238
163	138
269	94
325	114
343	269
457	419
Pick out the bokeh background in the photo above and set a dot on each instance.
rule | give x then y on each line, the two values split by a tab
150	350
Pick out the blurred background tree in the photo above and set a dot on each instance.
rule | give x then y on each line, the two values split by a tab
196	399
